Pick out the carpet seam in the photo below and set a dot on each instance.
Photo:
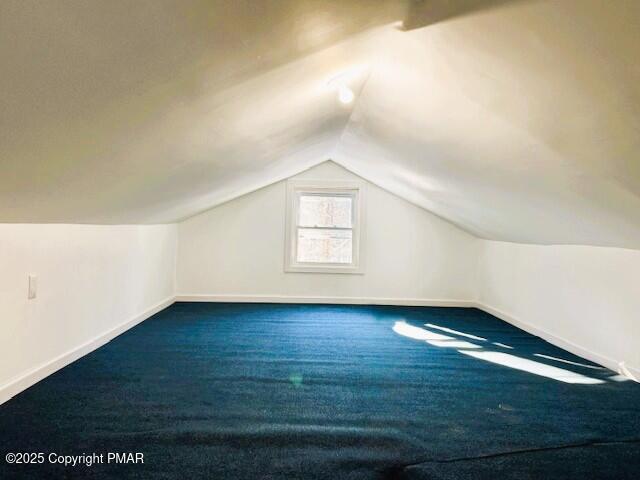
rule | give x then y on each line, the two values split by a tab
528	450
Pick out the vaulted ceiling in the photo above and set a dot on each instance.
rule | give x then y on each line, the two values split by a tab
516	120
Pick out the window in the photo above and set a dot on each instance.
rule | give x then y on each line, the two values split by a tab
324	223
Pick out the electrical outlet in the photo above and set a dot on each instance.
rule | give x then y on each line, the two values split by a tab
33	287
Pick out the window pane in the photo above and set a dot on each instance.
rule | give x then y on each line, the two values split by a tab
325	246
325	211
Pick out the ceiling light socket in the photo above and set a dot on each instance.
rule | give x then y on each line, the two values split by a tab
345	94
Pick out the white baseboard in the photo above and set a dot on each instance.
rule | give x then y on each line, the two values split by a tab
605	361
25	380
417	302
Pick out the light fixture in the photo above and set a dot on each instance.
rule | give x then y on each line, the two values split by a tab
341	81
345	94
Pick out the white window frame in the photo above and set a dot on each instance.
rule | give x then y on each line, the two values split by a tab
298	187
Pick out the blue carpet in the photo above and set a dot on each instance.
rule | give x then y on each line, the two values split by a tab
232	391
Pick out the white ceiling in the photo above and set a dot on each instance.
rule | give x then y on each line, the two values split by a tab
516	120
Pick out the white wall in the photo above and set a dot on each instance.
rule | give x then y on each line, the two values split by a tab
237	249
91	280
586	299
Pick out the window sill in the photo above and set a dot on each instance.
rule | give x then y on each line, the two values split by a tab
353	270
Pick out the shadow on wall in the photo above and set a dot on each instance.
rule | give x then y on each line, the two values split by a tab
422	13
493	352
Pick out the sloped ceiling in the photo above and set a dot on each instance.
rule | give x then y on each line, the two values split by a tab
516	120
